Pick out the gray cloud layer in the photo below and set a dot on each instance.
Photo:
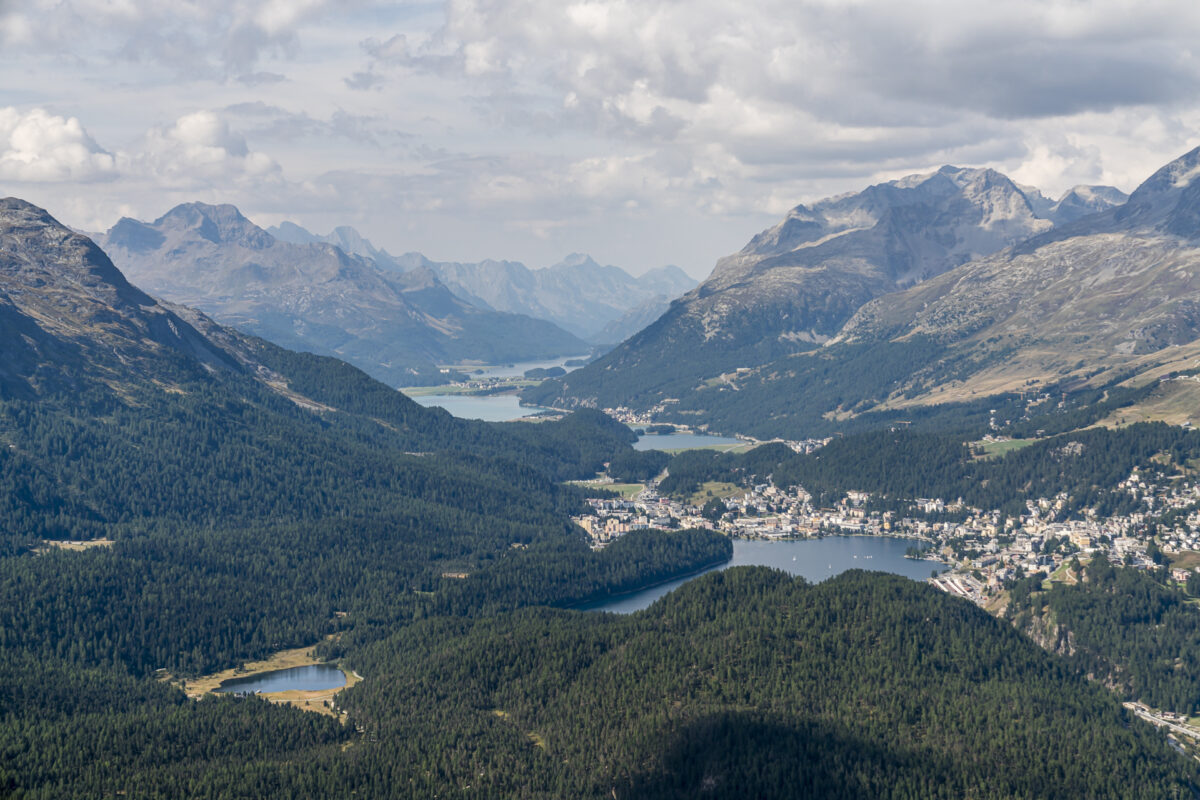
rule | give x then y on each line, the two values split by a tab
648	131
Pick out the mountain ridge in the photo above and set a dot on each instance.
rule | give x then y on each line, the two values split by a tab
316	296
794	285
576	293
81	301
1117	290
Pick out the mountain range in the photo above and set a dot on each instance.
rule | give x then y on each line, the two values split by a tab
395	325
255	500
119	410
603	305
1105	296
600	304
932	290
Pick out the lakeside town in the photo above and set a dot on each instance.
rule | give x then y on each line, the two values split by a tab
975	553
985	550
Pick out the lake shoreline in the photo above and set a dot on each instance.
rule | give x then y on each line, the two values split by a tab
709	567
813	559
319	701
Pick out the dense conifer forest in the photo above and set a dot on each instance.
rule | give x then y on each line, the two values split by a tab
823	391
743	683
242	523
277	526
1127	627
244	502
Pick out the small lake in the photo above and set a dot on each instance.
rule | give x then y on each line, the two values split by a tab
314	678
489	408
813	559
680	441
516	370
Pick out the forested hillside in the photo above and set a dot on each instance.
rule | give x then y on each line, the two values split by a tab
240	499
1124	626
235	499
743	683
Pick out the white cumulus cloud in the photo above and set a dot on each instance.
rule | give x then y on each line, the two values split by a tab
200	150
37	146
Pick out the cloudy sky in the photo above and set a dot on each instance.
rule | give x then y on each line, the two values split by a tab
644	132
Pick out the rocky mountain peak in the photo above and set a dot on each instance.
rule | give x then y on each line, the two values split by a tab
344	237
1168	201
292	233
977	179
219	224
1170	178
65	309
412	260
577	261
909	228
1081	201
353	242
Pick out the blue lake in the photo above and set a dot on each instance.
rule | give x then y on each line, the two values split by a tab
316	677
491	408
516	370
680	441
814	559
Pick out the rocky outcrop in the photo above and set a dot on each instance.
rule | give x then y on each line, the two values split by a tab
1108	290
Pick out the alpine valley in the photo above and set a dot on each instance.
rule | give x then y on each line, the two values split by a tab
603	304
182	501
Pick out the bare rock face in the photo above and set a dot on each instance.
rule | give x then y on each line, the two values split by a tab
65	309
1083	201
315	296
1110	298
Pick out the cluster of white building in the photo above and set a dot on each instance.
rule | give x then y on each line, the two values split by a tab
985	548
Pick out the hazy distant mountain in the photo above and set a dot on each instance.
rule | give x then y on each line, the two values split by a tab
577	293
794	285
644	315
315	296
1075	203
603	304
1084	200
343	237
